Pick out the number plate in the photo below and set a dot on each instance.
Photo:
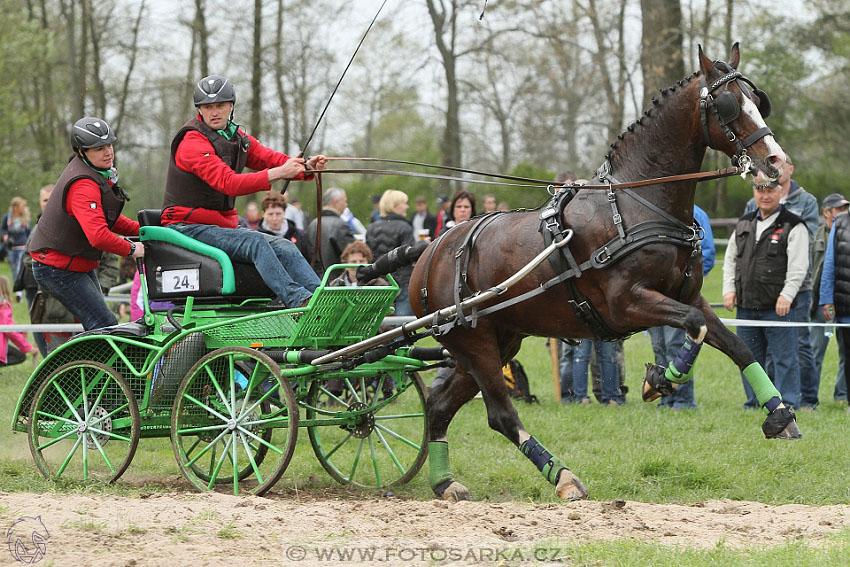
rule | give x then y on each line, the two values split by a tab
178	281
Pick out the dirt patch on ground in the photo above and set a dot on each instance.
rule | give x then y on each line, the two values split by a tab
217	529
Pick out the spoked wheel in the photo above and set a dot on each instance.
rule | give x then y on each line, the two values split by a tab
229	429
84	423
205	466
372	434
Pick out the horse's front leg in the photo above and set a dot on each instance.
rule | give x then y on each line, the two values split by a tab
701	323
781	423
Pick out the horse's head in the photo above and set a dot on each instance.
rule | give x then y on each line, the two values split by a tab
732	112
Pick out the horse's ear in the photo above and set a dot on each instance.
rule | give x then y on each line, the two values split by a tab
705	64
735	56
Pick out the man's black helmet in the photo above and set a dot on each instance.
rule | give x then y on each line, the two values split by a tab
214	88
90	132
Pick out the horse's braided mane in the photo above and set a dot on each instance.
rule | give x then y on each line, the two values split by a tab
656	104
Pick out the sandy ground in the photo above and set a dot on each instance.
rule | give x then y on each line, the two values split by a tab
304	529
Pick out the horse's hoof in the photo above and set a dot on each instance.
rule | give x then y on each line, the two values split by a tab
455	492
655	383
570	487
781	423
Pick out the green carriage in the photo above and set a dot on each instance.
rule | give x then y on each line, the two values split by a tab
230	380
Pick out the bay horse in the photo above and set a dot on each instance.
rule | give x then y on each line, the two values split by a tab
635	260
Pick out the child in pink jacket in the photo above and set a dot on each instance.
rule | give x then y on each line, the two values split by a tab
10	355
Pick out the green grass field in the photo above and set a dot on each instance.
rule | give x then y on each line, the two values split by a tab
634	452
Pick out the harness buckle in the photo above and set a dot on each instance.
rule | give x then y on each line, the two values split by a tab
603	255
618	218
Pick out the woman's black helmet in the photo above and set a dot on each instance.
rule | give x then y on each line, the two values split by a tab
214	88
90	132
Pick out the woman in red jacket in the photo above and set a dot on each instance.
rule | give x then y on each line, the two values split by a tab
78	225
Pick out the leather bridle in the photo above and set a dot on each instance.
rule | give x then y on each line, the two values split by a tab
726	109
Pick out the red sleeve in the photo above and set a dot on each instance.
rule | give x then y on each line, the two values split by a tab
196	155
126	226
261	157
83	203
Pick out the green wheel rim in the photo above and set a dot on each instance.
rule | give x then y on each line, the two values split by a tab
84	424
365	441
233	432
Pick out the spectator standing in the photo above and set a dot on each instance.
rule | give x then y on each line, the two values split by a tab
355	253
391	231
805	205
489	204
20	347
15	230
376	209
443	207
835	278
765	264
208	155
666	340
274	222
336	233
462	208
422	219
833	205
252	217
294	214
78	226
606	355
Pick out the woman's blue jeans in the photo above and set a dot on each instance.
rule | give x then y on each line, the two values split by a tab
278	261
79	292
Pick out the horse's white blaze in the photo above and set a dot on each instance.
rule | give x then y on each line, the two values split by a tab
751	110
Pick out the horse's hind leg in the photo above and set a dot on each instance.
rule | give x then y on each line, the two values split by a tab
443	403
479	352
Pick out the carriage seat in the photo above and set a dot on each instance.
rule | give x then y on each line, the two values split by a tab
177	266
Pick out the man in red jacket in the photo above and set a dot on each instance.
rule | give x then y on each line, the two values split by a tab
205	176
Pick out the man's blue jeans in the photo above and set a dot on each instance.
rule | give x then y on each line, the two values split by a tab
278	261
666	342
820	342
809	372
783	344
565	369
79	292
606	353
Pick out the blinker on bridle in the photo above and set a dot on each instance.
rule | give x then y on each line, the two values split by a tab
726	108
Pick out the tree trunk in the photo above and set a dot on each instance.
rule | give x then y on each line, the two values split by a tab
443	18
661	46
256	71
278	78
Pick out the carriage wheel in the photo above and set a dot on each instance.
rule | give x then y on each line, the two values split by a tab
229	429
84	423
204	467
364	441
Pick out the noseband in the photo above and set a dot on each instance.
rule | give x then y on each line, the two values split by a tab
726	109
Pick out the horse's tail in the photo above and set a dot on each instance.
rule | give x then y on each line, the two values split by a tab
391	261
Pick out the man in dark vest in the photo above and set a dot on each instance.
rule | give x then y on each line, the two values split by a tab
205	176
764	267
77	226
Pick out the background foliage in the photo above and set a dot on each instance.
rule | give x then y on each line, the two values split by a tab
531	86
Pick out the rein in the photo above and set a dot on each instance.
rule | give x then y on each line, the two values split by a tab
699	176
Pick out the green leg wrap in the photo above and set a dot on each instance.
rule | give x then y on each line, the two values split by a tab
761	384
438	463
674	376
546	463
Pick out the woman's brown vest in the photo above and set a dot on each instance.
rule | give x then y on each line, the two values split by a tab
57	230
184	189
